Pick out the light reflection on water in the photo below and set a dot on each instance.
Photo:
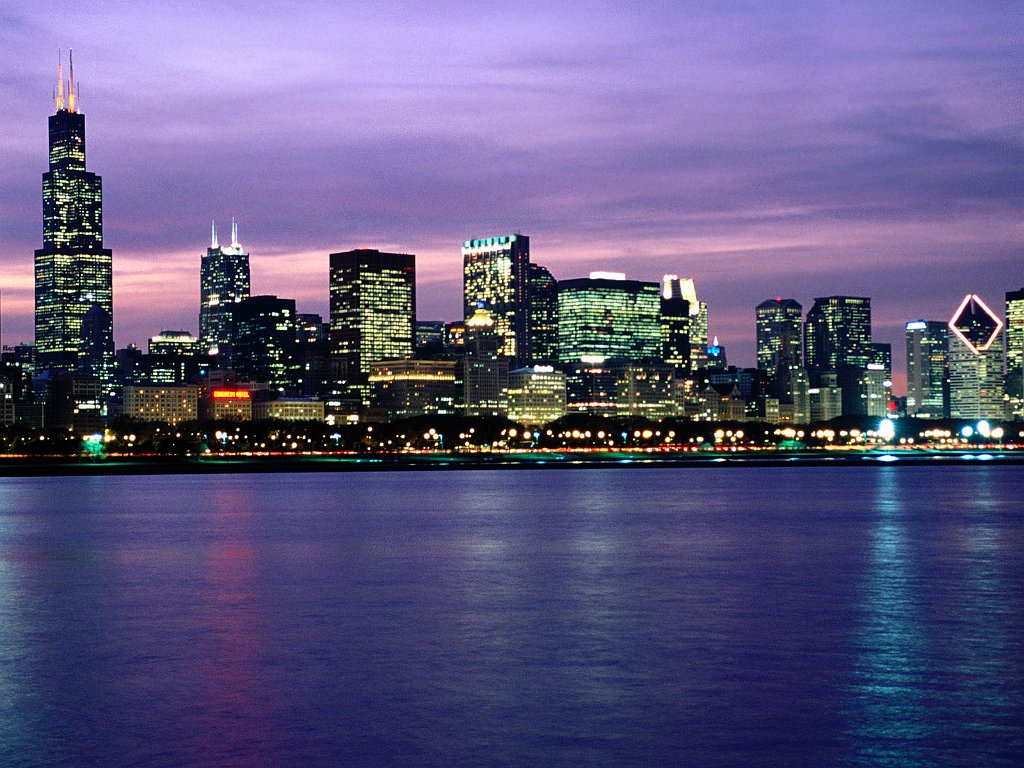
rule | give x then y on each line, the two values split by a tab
890	712
721	616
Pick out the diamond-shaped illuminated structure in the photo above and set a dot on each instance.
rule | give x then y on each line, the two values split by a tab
975	324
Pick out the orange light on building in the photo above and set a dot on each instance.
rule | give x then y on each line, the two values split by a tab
232	394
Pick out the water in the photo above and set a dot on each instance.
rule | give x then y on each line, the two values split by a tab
736	616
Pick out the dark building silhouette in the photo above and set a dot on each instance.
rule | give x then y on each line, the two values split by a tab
837	335
779	333
264	343
543	315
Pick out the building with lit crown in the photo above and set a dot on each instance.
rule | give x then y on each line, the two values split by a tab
223	282
73	271
496	272
976	359
173	343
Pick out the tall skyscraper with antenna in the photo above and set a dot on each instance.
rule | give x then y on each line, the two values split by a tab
223	282
73	271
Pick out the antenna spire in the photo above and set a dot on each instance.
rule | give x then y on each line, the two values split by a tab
234	233
60	82
71	82
213	235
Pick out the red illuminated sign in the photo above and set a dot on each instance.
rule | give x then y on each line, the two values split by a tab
232	394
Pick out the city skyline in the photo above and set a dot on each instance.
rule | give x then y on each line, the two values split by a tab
889	158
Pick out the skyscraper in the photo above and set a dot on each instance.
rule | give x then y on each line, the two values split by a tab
496	271
675	324
779	325
72	269
373	314
698	328
1015	351
927	353
543	315
608	316
264	341
837	335
223	282
975	362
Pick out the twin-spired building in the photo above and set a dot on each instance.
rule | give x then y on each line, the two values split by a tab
74	312
223	283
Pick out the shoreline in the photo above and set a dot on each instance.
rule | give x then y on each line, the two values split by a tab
217	464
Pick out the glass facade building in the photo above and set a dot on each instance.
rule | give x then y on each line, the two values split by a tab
927	361
779	337
675	325
837	334
264	341
223	282
543	315
976	359
373	314
609	317
1015	351
496	272
73	271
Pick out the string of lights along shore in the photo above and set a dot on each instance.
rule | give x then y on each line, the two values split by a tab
529	347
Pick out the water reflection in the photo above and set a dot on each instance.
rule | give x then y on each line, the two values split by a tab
13	653
984	638
234	725
890	713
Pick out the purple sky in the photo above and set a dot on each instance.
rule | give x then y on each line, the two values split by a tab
798	149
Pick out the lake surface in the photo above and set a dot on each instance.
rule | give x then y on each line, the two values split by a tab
738	616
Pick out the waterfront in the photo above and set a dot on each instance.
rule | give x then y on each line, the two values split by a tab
744	616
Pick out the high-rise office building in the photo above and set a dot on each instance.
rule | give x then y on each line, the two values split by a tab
483	370
543	315
697	330
72	269
223	283
373	314
264	341
976	360
1015	351
837	335
675	324
779	326
496	271
610	317
927	353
